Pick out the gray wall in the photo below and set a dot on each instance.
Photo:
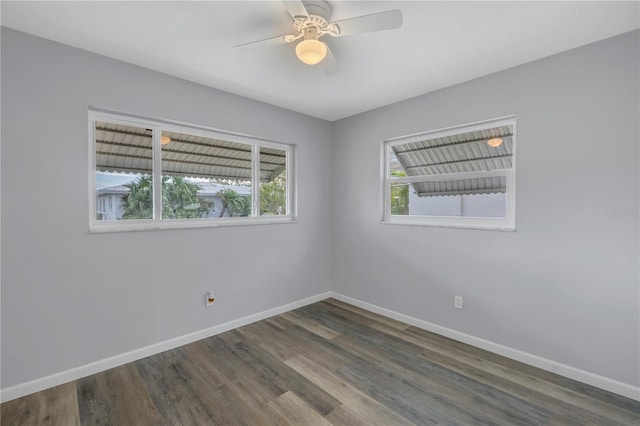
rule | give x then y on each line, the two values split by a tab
70	298
564	286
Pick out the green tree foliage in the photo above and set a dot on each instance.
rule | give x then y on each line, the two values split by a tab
138	204
399	196
273	196
238	205
242	207
179	199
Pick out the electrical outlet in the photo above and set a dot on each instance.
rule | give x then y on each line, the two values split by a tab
457	302
209	299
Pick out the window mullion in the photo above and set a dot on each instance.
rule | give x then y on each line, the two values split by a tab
157	174
289	186
92	169
255	179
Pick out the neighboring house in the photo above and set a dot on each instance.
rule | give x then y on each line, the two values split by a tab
110	200
209	192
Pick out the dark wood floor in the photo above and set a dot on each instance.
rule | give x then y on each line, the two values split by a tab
324	364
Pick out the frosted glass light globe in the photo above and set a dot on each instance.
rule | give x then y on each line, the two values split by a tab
311	51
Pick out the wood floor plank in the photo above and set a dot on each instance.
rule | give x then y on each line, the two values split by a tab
291	410
345	416
320	350
312	326
246	395
297	340
207	364
267	337
245	379
250	407
361	404
279	322
182	395
233	360
266	370
371	315
339	320
54	406
116	396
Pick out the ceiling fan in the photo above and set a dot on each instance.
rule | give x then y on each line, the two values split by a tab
312	20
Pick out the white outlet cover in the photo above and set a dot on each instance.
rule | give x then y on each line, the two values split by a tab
457	302
208	296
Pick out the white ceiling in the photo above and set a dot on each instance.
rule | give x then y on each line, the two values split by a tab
439	44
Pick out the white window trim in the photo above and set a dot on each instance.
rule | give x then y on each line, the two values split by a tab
98	226
500	224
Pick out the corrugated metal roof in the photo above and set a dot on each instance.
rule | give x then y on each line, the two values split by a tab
122	148
116	189
486	185
466	152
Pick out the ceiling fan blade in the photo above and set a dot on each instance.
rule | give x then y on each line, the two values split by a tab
329	63
273	41
295	8
388	20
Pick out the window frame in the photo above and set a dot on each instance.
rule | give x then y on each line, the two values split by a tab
157	223
501	224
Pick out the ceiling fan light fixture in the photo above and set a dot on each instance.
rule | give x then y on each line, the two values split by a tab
311	51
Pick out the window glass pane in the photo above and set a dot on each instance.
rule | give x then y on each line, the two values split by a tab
395	167
480	197
482	150
273	182
204	177
400	199
124	188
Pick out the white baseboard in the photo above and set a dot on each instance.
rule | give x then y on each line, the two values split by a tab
583	376
37	385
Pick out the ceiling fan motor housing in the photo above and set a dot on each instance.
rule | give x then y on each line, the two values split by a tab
318	8
319	16
310	33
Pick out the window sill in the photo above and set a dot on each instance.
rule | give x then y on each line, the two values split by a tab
143	225
478	226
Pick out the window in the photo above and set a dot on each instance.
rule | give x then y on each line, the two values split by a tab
458	177
153	175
